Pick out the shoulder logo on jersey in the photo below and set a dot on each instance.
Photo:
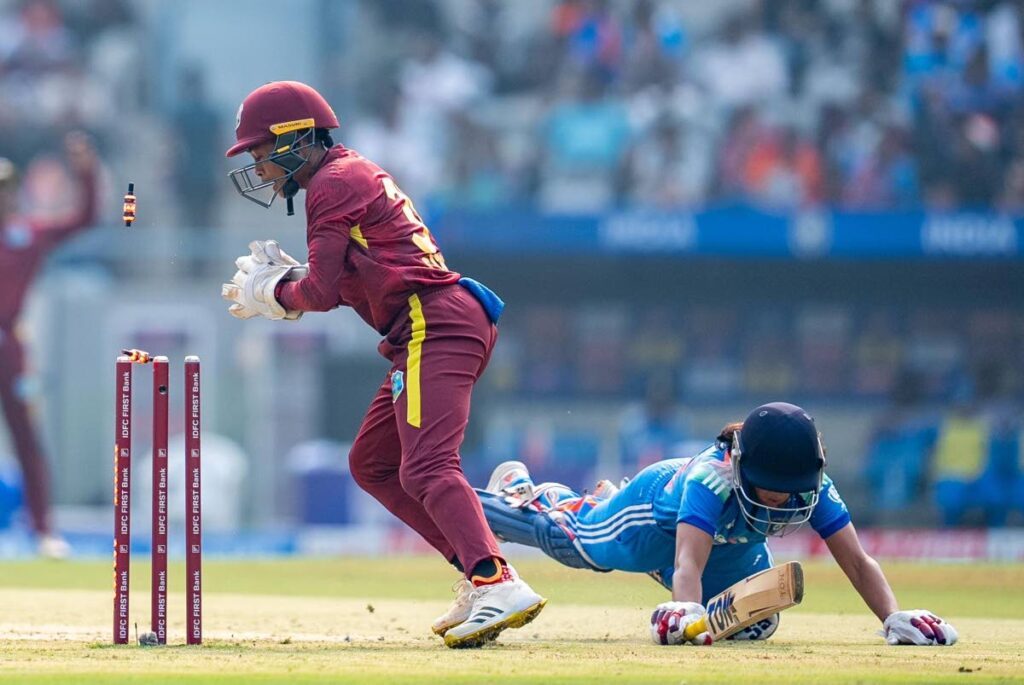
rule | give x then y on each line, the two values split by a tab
397	385
712	474
833	495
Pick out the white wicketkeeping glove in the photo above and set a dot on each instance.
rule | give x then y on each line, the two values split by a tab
253	285
669	622
917	627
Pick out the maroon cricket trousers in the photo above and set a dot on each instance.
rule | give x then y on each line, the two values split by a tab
407	451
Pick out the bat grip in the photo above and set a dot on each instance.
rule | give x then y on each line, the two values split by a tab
696	628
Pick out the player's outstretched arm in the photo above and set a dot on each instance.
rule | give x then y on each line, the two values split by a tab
670	619
913	627
84	163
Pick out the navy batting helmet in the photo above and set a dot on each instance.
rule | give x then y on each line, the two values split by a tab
779	449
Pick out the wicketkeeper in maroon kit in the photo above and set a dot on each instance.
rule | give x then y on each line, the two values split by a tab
24	245
370	250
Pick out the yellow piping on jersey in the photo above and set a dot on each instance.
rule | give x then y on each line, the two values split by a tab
356	234
412	364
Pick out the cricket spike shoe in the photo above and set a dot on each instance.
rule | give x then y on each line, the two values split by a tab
511	478
460	609
508	604
53	547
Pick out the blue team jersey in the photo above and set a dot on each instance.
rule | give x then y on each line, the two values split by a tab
635	529
700	493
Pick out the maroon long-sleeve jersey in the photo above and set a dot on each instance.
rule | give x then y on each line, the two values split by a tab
24	245
368	248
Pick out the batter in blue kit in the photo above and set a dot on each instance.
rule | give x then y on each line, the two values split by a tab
698	525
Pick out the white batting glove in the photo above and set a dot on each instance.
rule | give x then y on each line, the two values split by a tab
670	620
918	627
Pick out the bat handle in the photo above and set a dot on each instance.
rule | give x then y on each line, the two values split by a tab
696	628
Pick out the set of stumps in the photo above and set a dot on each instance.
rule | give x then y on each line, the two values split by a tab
160	504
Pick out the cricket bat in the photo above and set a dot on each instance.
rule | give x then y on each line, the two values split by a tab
750	600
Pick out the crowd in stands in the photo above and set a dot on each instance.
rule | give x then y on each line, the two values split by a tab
592	105
64	66
716	353
584	105
967	458
587	105
946	381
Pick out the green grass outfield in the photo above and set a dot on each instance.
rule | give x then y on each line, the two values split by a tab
356	620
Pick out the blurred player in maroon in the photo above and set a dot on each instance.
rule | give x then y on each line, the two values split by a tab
24	245
369	250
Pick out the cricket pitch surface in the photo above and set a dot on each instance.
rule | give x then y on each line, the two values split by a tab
368	621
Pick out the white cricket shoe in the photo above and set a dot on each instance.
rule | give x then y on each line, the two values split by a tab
511	478
460	609
52	546
511	604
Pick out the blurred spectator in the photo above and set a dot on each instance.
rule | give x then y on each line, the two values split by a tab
478	177
586	134
654	430
435	84
783	169
1005	41
823	339
769	355
742	65
603	332
668	166
877	355
712	370
1002	472
380	134
657	344
655	43
27	240
591	36
37	55
198	152
1011	195
38	42
899	447
960	463
885	178
743	133
58	75
939	38
549	346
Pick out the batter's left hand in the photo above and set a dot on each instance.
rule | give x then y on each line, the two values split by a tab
918	627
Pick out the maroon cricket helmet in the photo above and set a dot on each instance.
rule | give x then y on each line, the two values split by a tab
277	108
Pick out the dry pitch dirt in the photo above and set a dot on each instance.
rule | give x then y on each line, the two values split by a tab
368	621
